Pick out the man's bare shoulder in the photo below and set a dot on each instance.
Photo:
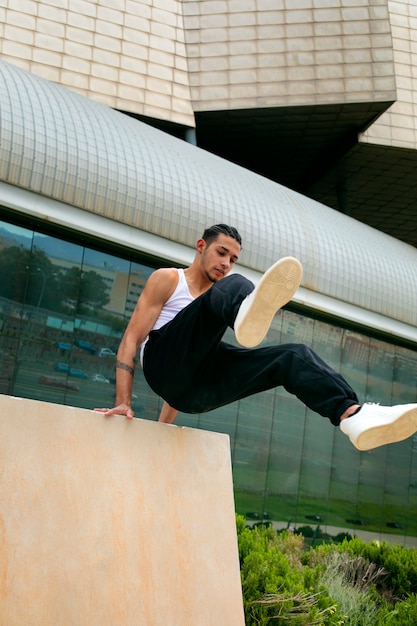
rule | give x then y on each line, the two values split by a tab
164	275
165	271
162	282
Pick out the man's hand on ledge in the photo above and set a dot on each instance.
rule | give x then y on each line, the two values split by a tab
121	409
167	415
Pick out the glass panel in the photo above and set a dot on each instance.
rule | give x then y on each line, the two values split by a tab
380	372
354	360
284	466
48	331
99	324
317	456
288	424
343	492
15	254
251	451
398	515
371	482
404	387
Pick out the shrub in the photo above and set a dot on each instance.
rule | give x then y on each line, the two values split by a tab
335	584
350	582
400	564
276	587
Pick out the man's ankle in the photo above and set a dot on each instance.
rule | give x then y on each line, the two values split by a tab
351	410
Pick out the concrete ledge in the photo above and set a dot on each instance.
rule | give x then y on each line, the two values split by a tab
116	522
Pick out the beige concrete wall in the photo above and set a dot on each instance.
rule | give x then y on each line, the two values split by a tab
168	58
129	55
398	126
115	522
265	53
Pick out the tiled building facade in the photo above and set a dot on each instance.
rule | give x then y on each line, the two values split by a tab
305	92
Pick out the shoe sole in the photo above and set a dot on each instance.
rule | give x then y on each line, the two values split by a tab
275	289
403	427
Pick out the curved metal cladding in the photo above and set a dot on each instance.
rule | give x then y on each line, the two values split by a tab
61	145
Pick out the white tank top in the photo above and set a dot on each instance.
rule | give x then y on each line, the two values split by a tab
175	303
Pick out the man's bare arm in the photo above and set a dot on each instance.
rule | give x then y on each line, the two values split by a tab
125	366
168	414
158	289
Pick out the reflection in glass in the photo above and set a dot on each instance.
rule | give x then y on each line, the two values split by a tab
63	312
284	463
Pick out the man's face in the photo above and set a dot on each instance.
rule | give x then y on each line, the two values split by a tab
218	258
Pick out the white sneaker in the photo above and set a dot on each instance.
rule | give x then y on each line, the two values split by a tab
376	425
276	287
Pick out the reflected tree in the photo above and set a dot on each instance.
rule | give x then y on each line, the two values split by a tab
93	290
28	276
13	272
88	289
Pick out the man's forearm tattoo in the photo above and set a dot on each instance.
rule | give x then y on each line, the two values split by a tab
125	366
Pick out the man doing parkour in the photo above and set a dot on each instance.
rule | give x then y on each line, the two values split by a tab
179	322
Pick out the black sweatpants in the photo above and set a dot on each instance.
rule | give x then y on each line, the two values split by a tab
188	365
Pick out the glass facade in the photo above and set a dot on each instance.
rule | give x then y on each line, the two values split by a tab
63	310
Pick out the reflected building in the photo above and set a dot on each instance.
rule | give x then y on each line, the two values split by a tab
92	201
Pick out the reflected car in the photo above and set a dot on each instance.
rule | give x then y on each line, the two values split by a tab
106	352
61	367
56	382
72	371
85	345
63	346
99	378
77	373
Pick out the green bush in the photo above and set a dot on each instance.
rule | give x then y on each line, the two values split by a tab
404	613
400	564
277	588
335	584
350	582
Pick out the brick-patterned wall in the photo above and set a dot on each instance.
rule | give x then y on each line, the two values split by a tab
398	126
127	55
260	53
168	58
